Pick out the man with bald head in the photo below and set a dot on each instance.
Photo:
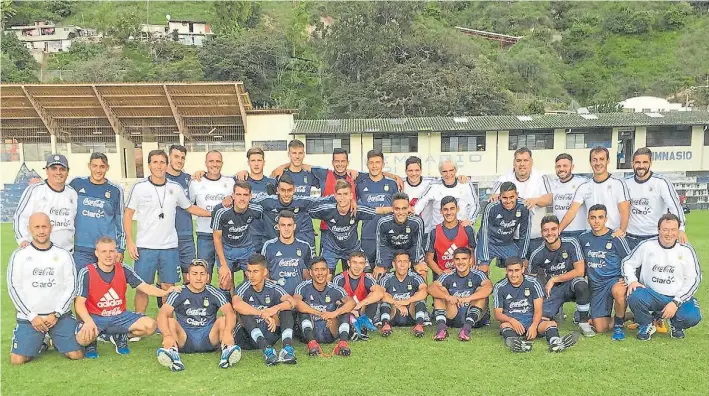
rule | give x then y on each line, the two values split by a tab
449	185
41	279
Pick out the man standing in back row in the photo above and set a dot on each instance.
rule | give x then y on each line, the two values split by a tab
183	220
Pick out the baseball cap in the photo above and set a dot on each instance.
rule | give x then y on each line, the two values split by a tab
57	159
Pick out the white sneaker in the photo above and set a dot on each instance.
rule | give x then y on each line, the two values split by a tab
134	339
587	330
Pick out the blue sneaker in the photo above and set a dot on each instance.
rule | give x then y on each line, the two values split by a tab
121	343
230	356
269	356
646	332
103	337
287	355
676	332
357	327
170	358
91	351
367	323
618	333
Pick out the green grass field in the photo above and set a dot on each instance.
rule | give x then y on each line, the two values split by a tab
398	365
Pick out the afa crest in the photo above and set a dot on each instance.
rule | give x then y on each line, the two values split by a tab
268	299
305	179
564	255
299	252
518	214
327	299
408	230
386	187
107	195
609	245
526	292
205	302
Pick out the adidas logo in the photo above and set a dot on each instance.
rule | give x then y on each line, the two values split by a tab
365	189
279	254
109	300
587	244
546	261
391	231
82	191
251	299
187	302
333	221
454	285
508	297
393	289
230	222
499	216
311	298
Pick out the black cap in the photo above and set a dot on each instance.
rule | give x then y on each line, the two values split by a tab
57	159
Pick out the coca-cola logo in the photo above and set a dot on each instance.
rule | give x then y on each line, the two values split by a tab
641	201
214	197
94	202
566	196
59	211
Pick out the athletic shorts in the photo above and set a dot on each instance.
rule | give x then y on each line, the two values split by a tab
485	253
166	262
118	324
560	294
386	257
369	247
26	341
526	321
602	298
534	243
237	257
243	339
206	250
572	234
401	320
198	340
459	319
83	257
185	248
634	240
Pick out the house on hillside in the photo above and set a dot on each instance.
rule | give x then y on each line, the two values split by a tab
185	32
44	37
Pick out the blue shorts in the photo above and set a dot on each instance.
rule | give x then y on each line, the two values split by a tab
198	340
322	332
560	293
119	324
83	257
243	339
459	319
602	298
534	243
237	257
526	321
485	253
163	261
386	257
369	247
26	341
206	251
634	240
185	247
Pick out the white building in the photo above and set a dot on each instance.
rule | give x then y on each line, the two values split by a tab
650	104
185	32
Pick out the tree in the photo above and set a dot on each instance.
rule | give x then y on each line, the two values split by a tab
232	17
18	65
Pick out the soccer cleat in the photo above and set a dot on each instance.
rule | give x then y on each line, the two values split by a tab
464	335
357	327
103	337
133	339
556	344
169	357
441	335
287	355
426	318
230	356
46	344
570	339
418	330
314	348
587	329
661	327
91	351
518	344
269	356
342	349
618	333
121	343
676	332
386	330
577	317
366	323
645	332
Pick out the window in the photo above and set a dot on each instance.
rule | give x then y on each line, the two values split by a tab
271	145
36	151
474	141
588	138
532	139
398	144
325	144
666	136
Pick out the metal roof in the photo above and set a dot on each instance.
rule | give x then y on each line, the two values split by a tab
497	123
134	110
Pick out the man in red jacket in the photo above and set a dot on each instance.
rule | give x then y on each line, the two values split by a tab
363	289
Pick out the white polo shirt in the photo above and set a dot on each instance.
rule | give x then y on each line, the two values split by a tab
60	206
155	208
208	193
563	196
609	192
649	200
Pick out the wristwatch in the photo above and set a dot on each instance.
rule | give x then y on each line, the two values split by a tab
57	315
677	302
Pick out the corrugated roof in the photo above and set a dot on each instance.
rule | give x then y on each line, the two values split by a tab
496	123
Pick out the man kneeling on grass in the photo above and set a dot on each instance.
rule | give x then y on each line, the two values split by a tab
101	301
195	327
518	308
324	311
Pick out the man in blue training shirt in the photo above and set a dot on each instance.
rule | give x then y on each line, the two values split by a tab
603	255
265	314
288	258
324	311
232	234
374	189
341	238
499	222
195	327
99	212
460	297
183	220
399	231
261	186
518	308
558	263
404	301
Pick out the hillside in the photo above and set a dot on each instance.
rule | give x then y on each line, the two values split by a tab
394	59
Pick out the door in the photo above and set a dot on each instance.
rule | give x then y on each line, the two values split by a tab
626	147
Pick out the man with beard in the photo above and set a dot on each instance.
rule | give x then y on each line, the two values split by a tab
563	189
